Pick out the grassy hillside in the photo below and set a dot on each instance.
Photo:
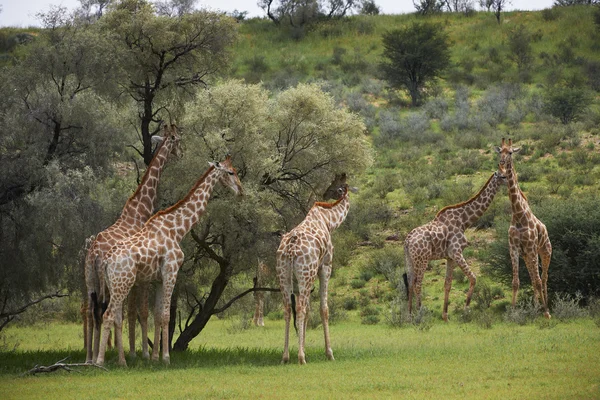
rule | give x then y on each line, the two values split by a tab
441	153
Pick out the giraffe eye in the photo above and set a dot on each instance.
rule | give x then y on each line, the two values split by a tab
230	172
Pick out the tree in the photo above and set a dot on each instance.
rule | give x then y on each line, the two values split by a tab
161	59
369	7
519	43
57	138
287	149
427	7
498	6
566	3
566	103
301	12
174	8
414	56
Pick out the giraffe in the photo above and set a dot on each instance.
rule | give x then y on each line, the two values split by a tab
262	274
527	235
138	208
444	237
154	254
305	252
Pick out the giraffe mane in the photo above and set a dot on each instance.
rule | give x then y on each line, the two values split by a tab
464	203
187	196
324	204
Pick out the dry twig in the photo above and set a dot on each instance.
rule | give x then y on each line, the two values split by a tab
60	365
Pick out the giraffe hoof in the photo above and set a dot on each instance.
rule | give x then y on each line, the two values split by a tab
330	357
547	315
122	363
445	317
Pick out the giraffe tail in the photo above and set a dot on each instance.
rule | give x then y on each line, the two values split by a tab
293	301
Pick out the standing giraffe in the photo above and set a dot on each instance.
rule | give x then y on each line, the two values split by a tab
444	237
153	254
262	274
138	208
305	252
527	235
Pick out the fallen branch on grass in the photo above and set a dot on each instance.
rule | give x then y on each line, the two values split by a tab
60	365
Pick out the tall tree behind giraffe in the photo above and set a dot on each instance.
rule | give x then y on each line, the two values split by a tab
444	237
154	254
138	209
527	235
305	252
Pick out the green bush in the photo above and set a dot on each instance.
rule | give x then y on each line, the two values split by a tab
357	283
370	315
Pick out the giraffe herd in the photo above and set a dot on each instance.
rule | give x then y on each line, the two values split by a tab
143	247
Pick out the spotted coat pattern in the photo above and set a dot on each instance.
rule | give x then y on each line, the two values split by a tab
153	255
527	235
444	238
305	252
137	210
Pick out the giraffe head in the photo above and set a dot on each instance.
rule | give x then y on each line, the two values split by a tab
170	137
228	175
506	151
338	188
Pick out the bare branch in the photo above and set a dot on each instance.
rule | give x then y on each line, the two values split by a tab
239	296
60	365
12	313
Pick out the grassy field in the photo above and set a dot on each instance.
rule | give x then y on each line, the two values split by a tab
453	360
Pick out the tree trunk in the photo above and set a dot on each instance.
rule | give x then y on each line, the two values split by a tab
202	318
146	119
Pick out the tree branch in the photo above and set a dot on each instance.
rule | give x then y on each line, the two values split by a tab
10	314
60	365
239	296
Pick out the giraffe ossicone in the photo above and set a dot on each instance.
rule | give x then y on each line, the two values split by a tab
444	238
154	254
527	235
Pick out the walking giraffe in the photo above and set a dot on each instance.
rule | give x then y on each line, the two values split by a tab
305	252
138	208
444	237
527	235
154	254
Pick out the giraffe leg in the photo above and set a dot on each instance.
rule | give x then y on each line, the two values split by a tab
89	321
462	263
131	317
531	260
545	255
158	307
284	272
324	276
97	325
143	295
168	287
118	329
447	286
514	259
300	320
418	282
83	313
110	316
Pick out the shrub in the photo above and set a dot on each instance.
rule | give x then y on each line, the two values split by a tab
350	303
436	108
566	307
369	315
523	313
357	283
566	103
387	261
398	315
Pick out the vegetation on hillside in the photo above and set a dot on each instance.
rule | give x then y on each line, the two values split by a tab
534	77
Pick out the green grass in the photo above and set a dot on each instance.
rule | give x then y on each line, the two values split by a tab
448	361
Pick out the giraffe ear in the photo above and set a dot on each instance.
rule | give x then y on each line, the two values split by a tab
516	149
214	164
156	139
498	149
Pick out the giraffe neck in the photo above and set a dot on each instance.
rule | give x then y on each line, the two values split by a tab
518	202
331	216
467	213
180	218
141	204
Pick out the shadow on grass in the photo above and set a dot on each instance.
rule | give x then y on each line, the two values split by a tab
21	362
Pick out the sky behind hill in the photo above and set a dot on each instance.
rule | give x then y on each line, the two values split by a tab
22	13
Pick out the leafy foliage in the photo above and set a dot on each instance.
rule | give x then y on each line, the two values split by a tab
414	56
